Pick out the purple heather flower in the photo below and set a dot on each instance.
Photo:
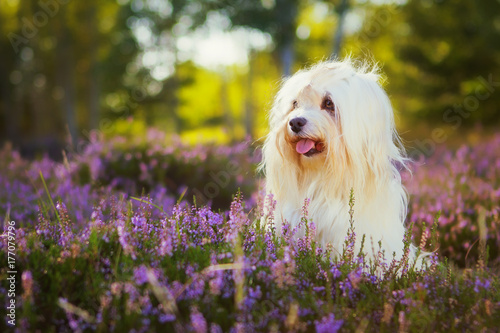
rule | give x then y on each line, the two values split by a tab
336	273
27	282
166	245
214	328
283	270
198	322
140	275
481	285
270	207
125	238
216	283
328	324
164	318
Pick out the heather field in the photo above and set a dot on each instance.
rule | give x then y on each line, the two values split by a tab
110	239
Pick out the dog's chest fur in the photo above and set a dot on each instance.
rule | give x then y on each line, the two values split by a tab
329	211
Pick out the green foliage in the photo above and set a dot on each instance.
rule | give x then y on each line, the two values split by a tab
438	56
89	65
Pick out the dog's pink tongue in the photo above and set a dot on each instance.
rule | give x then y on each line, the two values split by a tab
304	145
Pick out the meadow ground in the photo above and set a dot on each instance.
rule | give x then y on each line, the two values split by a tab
105	241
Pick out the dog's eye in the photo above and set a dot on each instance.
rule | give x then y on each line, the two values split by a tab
327	104
294	104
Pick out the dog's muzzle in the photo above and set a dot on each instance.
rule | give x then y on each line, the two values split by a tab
304	145
309	147
296	124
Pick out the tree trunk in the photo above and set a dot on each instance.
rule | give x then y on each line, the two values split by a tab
172	90
66	78
249	111
226	109
94	80
287	14
339	34
8	108
287	57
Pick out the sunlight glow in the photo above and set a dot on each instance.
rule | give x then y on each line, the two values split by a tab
213	45
218	48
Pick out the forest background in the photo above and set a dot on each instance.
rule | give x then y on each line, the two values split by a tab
207	70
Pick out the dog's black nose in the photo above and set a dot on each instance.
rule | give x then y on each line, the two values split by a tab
296	124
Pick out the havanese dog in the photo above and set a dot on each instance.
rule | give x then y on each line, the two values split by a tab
332	130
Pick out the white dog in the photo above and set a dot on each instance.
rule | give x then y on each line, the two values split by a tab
332	129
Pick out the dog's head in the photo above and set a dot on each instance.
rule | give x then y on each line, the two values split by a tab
334	116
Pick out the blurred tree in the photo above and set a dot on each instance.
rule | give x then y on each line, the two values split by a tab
249	104
166	22
458	43
59	59
275	17
65	71
314	42
94	80
442	58
341	10
278	18
84	65
9	112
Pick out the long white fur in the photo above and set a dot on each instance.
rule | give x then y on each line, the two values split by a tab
362	152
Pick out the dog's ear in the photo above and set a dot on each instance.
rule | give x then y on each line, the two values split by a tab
275	154
368	130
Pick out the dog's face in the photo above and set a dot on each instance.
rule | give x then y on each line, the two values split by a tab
336	117
311	121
